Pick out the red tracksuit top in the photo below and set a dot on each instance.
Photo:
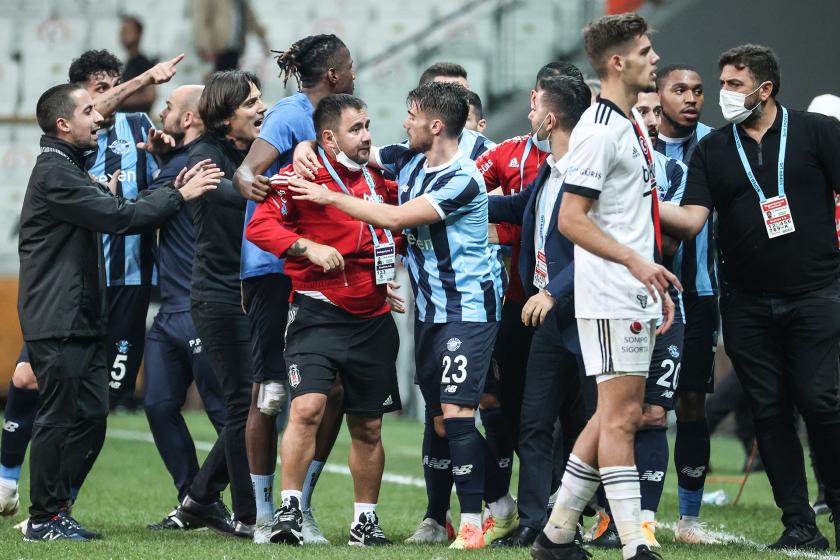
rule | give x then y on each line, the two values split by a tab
500	167
280	220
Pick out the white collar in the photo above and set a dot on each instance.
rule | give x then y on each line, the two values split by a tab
458	155
669	140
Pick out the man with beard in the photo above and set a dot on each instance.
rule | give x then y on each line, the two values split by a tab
62	301
340	321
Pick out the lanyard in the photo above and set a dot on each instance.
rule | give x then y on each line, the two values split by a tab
524	158
782	148
370	184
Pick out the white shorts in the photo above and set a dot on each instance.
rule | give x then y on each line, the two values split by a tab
616	346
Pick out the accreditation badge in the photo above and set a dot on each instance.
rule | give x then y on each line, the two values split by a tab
777	217
541	271
385	262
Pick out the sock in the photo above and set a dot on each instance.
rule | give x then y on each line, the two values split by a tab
500	447
360	508
437	470
580	481
74	493
691	459
467	450
502	507
287	494
651	450
21	407
621	485
312	474
472	518
647	515
264	494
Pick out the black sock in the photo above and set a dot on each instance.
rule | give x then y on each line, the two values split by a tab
691	454
466	448
21	407
437	470
499	450
651	447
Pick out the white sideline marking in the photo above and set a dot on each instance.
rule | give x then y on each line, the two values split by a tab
399	479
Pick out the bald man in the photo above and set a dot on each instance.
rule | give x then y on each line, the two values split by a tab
175	356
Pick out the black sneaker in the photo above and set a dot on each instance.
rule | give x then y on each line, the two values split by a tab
801	535
214	515
544	549
173	521
608	538
367	532
89	535
287	523
644	553
56	529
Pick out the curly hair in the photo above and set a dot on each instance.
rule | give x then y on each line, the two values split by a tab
309	58
94	62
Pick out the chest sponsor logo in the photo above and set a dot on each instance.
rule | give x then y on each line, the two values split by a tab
374	198
422	244
120	147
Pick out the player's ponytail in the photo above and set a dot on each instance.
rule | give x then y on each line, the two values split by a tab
308	59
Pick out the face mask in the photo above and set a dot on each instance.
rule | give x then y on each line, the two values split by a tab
733	105
344	160
543	145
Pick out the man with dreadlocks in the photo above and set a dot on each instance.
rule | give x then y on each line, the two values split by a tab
322	66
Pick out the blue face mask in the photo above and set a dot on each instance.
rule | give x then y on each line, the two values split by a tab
543	145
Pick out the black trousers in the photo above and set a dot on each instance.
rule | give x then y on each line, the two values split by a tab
512	346
225	333
69	429
785	352
552	390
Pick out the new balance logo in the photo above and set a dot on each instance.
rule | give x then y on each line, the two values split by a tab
693	472
653	476
450	388
504	462
437	464
10	426
514	163
463	470
388	402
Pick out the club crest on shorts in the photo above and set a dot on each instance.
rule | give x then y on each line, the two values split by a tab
123	346
643	299
674	351
453	344
636	327
294	375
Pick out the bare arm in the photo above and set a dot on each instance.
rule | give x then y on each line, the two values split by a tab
108	102
249	180
682	222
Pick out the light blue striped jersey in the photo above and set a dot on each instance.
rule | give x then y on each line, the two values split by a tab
671	175
129	259
454	275
696	261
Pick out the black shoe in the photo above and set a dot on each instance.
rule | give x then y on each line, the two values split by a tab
801	535
367	532
644	553
521	537
242	530
56	529
172	521
608	539
214	515
287	523
544	549
89	535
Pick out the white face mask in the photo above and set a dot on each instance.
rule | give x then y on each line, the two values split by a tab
543	145
733	105
344	160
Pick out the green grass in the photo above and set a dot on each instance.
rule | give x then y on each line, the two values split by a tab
129	488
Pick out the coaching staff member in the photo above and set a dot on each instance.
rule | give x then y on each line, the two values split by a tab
771	176
62	307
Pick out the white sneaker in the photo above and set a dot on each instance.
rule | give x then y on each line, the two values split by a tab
429	531
691	530
311	532
262	533
9	498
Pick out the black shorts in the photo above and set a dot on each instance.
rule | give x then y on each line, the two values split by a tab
324	341
701	336
664	375
452	361
266	300
126	338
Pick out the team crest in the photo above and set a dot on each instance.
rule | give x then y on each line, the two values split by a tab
123	346
120	147
294	375
453	344
643	299
674	351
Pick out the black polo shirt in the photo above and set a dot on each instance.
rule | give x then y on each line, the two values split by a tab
798	262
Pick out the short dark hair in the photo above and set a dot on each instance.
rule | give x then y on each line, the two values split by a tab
309	58
444	100
224	92
444	69
567	97
662	74
557	68
135	20
761	61
327	114
55	103
474	101
606	34
94	62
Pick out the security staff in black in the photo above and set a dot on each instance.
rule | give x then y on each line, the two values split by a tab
771	176
61	303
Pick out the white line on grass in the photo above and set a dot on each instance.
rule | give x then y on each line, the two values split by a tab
402	480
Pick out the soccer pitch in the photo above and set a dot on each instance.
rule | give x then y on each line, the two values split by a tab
129	488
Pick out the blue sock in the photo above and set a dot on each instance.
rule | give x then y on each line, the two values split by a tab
437	471
264	494
10	473
74	493
467	450
21	407
312	474
690	501
651	449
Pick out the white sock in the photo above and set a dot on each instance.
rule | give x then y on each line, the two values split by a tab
291	494
502	507
580	482
648	516
621	485
360	507
473	518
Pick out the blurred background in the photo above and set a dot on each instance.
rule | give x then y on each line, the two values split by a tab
501	43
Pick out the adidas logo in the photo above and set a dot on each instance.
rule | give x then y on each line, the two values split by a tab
636	153
514	163
389	401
